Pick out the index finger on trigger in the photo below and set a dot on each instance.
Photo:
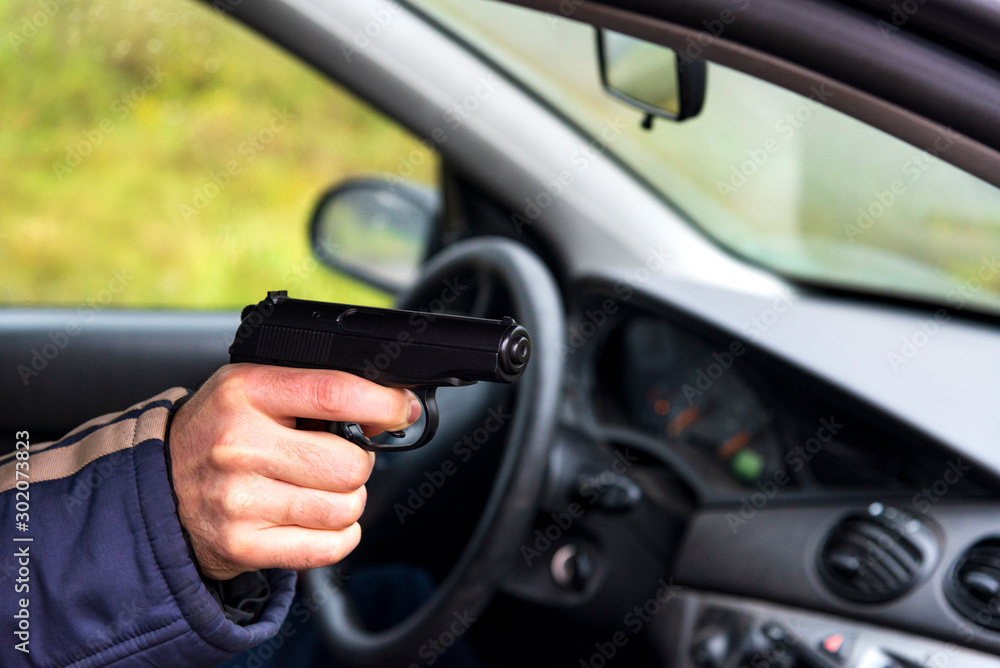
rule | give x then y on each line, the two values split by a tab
320	394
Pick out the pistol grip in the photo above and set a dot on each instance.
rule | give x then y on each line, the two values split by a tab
352	432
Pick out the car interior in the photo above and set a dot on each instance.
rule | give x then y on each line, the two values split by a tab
720	455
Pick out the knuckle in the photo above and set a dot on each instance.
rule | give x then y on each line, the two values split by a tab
325	513
391	408
228	454
347	540
353	468
299	510
307	456
295	510
331	394
234	500
232	545
221	457
360	499
231	390
334	515
397	408
335	546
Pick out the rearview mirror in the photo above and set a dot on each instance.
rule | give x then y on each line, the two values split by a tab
375	230
650	77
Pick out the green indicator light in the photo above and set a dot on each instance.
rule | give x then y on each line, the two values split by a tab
747	465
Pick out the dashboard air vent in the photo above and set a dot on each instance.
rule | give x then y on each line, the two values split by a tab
877	556
974	585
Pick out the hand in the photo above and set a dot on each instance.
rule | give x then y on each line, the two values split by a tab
253	492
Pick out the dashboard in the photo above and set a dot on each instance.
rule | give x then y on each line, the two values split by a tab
786	510
737	419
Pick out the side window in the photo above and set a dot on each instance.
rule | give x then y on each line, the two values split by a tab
158	153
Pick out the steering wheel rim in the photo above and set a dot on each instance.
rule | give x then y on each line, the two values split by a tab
511	505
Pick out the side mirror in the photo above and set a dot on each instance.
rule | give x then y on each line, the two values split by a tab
375	230
650	77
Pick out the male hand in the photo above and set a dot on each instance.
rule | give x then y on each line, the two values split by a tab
253	492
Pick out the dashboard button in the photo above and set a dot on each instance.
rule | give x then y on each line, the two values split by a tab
837	646
614	493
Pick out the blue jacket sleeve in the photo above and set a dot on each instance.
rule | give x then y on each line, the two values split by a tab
95	570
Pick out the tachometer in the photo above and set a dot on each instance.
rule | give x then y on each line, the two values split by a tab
692	393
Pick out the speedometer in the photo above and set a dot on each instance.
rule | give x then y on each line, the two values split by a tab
693	394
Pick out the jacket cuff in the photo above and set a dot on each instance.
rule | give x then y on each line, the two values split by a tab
201	611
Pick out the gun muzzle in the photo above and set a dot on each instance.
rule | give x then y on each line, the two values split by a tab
515	349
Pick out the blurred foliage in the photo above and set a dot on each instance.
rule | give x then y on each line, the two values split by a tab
161	140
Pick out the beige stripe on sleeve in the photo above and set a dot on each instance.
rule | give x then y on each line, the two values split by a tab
38	447
65	461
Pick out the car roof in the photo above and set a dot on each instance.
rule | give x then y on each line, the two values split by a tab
971	26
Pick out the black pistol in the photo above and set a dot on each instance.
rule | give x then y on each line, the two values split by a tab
413	349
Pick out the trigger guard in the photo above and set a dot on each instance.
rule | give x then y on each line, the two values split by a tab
352	431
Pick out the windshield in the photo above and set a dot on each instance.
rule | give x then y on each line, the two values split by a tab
777	177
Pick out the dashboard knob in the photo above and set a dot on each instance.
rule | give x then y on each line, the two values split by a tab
571	567
712	651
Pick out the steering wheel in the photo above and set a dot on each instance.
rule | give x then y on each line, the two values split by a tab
495	264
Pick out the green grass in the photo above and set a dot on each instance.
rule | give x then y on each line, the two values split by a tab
142	202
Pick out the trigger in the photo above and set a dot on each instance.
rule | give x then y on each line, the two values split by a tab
428	400
425	395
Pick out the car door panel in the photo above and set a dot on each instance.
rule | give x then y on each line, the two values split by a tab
63	367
